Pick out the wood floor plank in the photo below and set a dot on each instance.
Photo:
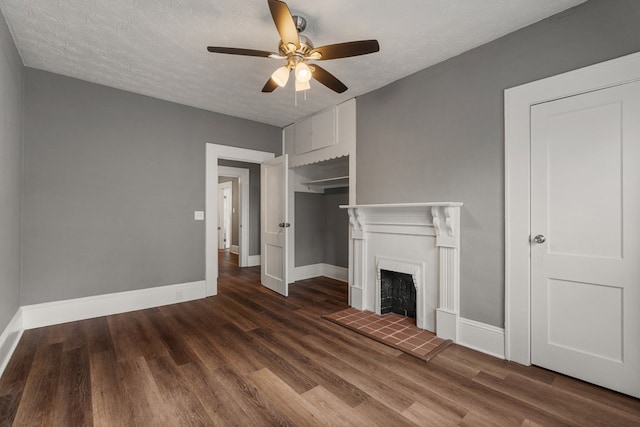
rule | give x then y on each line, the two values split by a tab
108	403
142	394
557	401
73	398
8	408
165	330
230	310
17	371
503	408
334	383
601	395
294	377
182	405
215	401
289	402
97	334
251	406
372	413
37	404
337	408
423	416
251	357
366	380
133	337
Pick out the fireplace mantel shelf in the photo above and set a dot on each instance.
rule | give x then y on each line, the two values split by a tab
404	205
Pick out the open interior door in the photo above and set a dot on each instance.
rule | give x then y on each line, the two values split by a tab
274	224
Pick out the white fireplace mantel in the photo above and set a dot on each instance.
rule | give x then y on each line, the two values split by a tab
425	237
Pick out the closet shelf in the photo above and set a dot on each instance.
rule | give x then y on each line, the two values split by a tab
336	182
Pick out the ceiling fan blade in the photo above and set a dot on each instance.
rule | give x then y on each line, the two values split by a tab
270	86
327	79
238	51
284	22
345	50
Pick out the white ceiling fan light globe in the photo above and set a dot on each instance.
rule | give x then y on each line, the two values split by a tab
303	72
302	85
281	76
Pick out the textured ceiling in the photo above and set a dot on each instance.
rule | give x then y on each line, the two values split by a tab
158	47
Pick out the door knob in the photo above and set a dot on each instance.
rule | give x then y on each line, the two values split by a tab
539	238
284	225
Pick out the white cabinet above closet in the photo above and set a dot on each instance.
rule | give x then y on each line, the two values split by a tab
326	135
315	132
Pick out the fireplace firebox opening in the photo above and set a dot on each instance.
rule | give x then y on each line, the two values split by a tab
397	293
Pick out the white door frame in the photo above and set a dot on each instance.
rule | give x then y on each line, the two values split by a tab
518	102
213	152
244	227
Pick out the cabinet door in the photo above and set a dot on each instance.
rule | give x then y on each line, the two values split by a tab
346	123
289	139
303	136
323	129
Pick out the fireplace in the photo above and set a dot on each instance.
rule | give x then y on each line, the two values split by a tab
412	271
416	240
397	293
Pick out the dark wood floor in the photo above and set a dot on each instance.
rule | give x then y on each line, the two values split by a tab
250	357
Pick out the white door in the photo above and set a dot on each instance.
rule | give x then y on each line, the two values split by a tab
274	224
224	215
585	262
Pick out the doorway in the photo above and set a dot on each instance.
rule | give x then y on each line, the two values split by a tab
214	153
571	292
241	224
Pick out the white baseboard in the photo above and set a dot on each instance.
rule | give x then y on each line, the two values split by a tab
9	339
315	270
335	272
53	313
254	260
306	272
235	249
482	337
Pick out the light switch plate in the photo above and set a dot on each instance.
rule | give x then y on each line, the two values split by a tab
198	215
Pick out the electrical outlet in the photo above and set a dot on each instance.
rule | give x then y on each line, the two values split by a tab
198	215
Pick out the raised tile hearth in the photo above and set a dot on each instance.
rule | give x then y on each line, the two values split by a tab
392	329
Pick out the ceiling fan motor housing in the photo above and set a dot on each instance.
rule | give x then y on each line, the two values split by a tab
306	45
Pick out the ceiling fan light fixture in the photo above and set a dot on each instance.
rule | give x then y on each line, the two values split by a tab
302	85
303	72
281	76
297	49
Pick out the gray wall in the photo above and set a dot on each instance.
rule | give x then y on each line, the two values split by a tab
111	181
235	204
336	233
309	229
12	77
254	201
322	228
441	131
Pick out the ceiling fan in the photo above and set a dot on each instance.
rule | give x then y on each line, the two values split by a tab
298	49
